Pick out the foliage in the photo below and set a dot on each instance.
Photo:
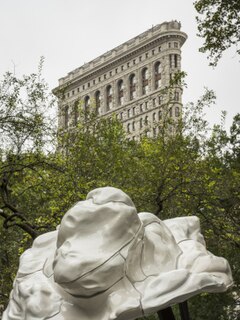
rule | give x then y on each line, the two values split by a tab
26	135
219	24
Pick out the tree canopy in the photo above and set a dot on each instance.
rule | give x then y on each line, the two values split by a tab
219	24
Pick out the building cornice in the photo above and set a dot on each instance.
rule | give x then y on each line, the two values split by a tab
133	47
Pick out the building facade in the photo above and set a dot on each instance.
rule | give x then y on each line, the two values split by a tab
128	81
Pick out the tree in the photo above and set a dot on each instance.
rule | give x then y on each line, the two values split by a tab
219	25
26	134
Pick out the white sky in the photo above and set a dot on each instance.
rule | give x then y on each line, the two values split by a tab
70	32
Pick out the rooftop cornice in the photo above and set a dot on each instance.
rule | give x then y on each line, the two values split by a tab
156	34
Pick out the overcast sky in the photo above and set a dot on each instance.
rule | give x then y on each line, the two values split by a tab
69	33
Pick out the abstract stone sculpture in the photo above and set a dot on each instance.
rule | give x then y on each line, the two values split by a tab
105	261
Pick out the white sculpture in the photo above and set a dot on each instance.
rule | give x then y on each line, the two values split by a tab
105	262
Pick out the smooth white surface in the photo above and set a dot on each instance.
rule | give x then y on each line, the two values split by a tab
108	262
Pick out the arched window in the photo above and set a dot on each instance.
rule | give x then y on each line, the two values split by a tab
132	86
120	92
76	112
109	97
128	127
86	106
160	100
177	112
157	75
145	81
146	120
159	115
141	123
66	116
176	96
98	101
133	126
170	112
154	116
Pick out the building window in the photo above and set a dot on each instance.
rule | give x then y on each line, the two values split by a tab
177	112
134	111
175	60
176	96
94	81
170	112
122	67
134	61
146	55
88	84
154	102
160	100
146	105
146	120
154	116
116	70
73	92
110	73
141	108
86	106
76	113
98	101
153	52
159	115
141	123
83	87
66	116
132	86
133	126
140	58
109	97
169	44
159	49
120	92
128	127
129	113
175	44
145	81
157	75
105	76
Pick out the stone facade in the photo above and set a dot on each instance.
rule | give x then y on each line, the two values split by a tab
128	81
